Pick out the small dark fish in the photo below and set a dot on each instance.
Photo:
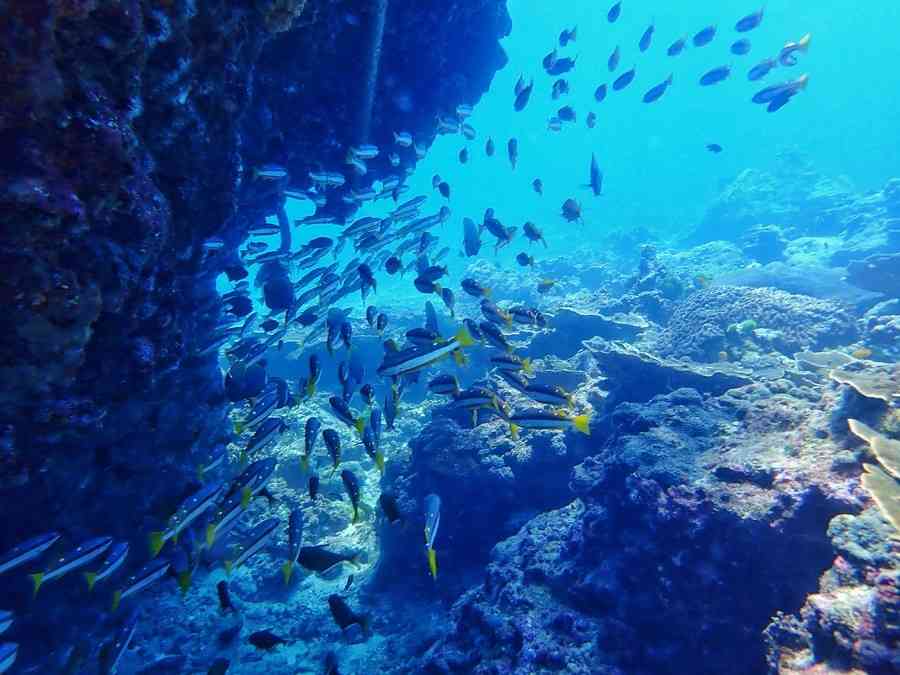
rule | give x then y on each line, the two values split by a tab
266	639
677	47
463	156
389	506
749	22
525	260
623	80
780	101
489	147
655	93
319	559
367	391
571	209
533	234
714	148
788	54
613	61
560	87
345	617
520	102
741	47
449	300
561	66
219	667
313	486
591	120
444	188
392	265
512	150
348	584
381	323
600	93
566	113
224	597
644	43
705	36
269	325
761	69
538	186
550	60
351	484
715	76
371	314
567	36
331	664
520	85
596	183
614	12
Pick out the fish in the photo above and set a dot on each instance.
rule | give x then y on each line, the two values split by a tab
342	411
677	47
704	36
315	374
368	282
522	97
111	652
600	93
381	323
333	443
513	363
494	314
714	148
613	61
351	485
655	93
537	185
512	150
567	36
545	285
444	189
775	91
412	360
267	433
449	300
591	120
266	640
390	508
144	577
270	172
219	667
343	616
112	563
525	260
527	316
403	138
432	521
258	537
613	14
390	407
779	101
715	75
348	584
464	110
313	486
741	47
548	421
367	391
623	80
788	54
560	87
469	132
8	653
463	155
295	540
554	124
513	379
561	66
566	114
319	559
750	21
371	444
494	336
549	394
423	337
445	384
426	286
192	508
392	265
475	398
761	69
79	556
644	42
572	208
489	147
28	550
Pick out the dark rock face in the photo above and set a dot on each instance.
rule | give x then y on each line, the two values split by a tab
131	131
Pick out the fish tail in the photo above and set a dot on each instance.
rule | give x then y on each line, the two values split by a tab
486	292
432	563
210	535
514	431
379	461
36	579
527	367
91	578
304	463
184	581
437	289
228	567
464	338
582	424
156	542
803	42
286	571
360	425
238	428
355	514
311	388
459	357
116	601
246	495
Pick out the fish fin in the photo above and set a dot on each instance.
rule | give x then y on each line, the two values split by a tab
355	515
116	601
582	424
379	462
238	428
184	581
486	292
360	425
286	570
437	289
156	543
228	567
464	338
514	431
246	496
91	578
36	579
310	389
304	463
432	563
803	42
527	367
210	535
